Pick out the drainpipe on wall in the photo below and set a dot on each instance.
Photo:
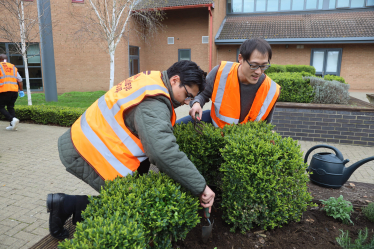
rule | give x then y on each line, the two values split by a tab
210	37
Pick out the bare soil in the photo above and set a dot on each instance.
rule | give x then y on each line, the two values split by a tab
315	230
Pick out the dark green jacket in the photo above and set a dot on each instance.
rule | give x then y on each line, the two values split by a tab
150	121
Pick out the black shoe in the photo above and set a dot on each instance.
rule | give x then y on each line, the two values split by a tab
57	218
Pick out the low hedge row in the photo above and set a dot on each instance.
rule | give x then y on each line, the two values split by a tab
275	68
43	114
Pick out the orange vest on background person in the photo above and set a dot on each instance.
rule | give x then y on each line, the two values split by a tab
226	97
100	135
8	77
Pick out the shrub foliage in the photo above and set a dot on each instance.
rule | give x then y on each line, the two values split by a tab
338	208
369	212
261	176
293	87
334	78
329	92
43	114
136	212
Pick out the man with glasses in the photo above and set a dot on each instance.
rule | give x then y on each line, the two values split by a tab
240	92
124	131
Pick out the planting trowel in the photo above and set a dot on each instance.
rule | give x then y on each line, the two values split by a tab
207	230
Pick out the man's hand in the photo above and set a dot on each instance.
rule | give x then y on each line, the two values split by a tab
207	198
196	108
21	94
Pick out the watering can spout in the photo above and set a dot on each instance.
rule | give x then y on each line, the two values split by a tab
348	171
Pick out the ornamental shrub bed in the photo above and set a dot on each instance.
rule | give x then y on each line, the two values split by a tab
261	176
136	212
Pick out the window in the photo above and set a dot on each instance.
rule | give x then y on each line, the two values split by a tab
326	61
184	54
170	40
77	1
134	60
285	5
250	6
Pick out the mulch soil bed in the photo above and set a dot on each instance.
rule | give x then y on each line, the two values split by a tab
315	229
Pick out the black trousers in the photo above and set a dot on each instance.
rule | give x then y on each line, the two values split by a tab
8	99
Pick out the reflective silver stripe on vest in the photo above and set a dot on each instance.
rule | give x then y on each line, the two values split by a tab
268	99
101	147
109	115
219	95
8	76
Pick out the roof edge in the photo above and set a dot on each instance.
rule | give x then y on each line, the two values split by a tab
205	5
302	40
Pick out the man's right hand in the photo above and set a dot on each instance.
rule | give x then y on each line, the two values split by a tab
196	108
207	198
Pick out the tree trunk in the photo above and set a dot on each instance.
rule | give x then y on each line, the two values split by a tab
24	54
111	80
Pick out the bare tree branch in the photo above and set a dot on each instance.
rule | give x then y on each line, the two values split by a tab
106	21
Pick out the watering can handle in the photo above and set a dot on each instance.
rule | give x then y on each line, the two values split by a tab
337	152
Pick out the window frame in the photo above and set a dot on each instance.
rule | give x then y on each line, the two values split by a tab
325	50
77	1
184	49
134	57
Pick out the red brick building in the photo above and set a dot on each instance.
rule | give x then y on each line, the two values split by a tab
335	36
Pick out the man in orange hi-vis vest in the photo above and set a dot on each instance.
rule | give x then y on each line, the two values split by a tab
10	84
240	92
124	131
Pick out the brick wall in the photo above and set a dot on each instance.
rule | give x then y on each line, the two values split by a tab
350	126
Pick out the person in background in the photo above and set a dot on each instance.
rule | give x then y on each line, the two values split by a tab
10	87
124	131
240	92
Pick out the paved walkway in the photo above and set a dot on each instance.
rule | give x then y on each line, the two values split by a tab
30	168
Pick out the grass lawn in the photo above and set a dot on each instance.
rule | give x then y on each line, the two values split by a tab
70	99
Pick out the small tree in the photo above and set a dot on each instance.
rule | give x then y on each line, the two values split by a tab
18	26
107	21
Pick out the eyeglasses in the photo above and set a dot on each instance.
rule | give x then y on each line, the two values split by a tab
255	67
189	95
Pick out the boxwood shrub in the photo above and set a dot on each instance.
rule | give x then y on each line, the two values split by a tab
264	180
293	87
202	150
275	68
334	78
262	175
301	68
136	212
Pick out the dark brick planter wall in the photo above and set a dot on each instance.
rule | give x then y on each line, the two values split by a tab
325	123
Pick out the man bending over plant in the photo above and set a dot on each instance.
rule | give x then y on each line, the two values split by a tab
240	92
124	131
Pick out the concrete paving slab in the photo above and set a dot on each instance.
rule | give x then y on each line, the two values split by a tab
30	168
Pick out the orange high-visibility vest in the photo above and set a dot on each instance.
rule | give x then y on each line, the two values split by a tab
8	77
100	135
226	97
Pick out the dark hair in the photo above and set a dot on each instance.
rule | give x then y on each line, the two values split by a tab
189	72
3	57
253	44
